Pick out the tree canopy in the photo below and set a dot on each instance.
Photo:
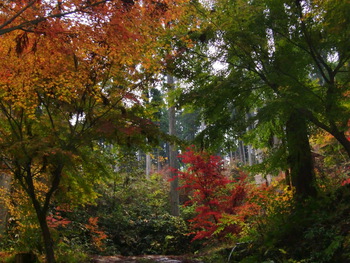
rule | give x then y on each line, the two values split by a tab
80	85
263	63
71	76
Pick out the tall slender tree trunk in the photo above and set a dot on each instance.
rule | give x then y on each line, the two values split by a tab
242	153
5	184
299	156
250	155
174	193
148	165
158	161
288	179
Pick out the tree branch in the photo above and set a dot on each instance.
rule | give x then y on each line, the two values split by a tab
41	19
17	14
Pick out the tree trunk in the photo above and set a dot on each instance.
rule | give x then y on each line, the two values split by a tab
158	161
174	194
45	231
148	165
48	243
42	210
288	179
242	153
5	184
299	156
41	213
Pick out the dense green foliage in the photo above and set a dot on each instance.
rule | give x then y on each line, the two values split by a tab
260	66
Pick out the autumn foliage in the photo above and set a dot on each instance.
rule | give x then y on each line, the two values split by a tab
221	203
97	235
71	76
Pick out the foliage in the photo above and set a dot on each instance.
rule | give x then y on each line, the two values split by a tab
276	227
23	231
331	162
137	221
130	218
97	235
288	231
220	202
257	63
69	81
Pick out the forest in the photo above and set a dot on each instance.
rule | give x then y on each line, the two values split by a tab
212	131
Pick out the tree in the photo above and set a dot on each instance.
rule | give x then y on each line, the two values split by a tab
69	82
173	163
215	196
280	60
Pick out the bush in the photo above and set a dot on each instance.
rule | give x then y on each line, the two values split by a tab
131	218
315	230
149	234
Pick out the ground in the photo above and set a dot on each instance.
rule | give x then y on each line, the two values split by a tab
144	259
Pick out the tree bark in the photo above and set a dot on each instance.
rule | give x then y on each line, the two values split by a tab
48	242
5	184
174	194
42	210
45	231
148	165
158	161
299	156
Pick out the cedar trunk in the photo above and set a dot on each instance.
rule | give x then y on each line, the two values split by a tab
299	156
174	194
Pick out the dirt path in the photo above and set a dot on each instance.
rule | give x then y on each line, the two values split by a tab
144	259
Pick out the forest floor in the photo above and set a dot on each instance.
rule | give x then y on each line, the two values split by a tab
144	259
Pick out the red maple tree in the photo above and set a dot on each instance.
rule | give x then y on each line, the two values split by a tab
214	195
